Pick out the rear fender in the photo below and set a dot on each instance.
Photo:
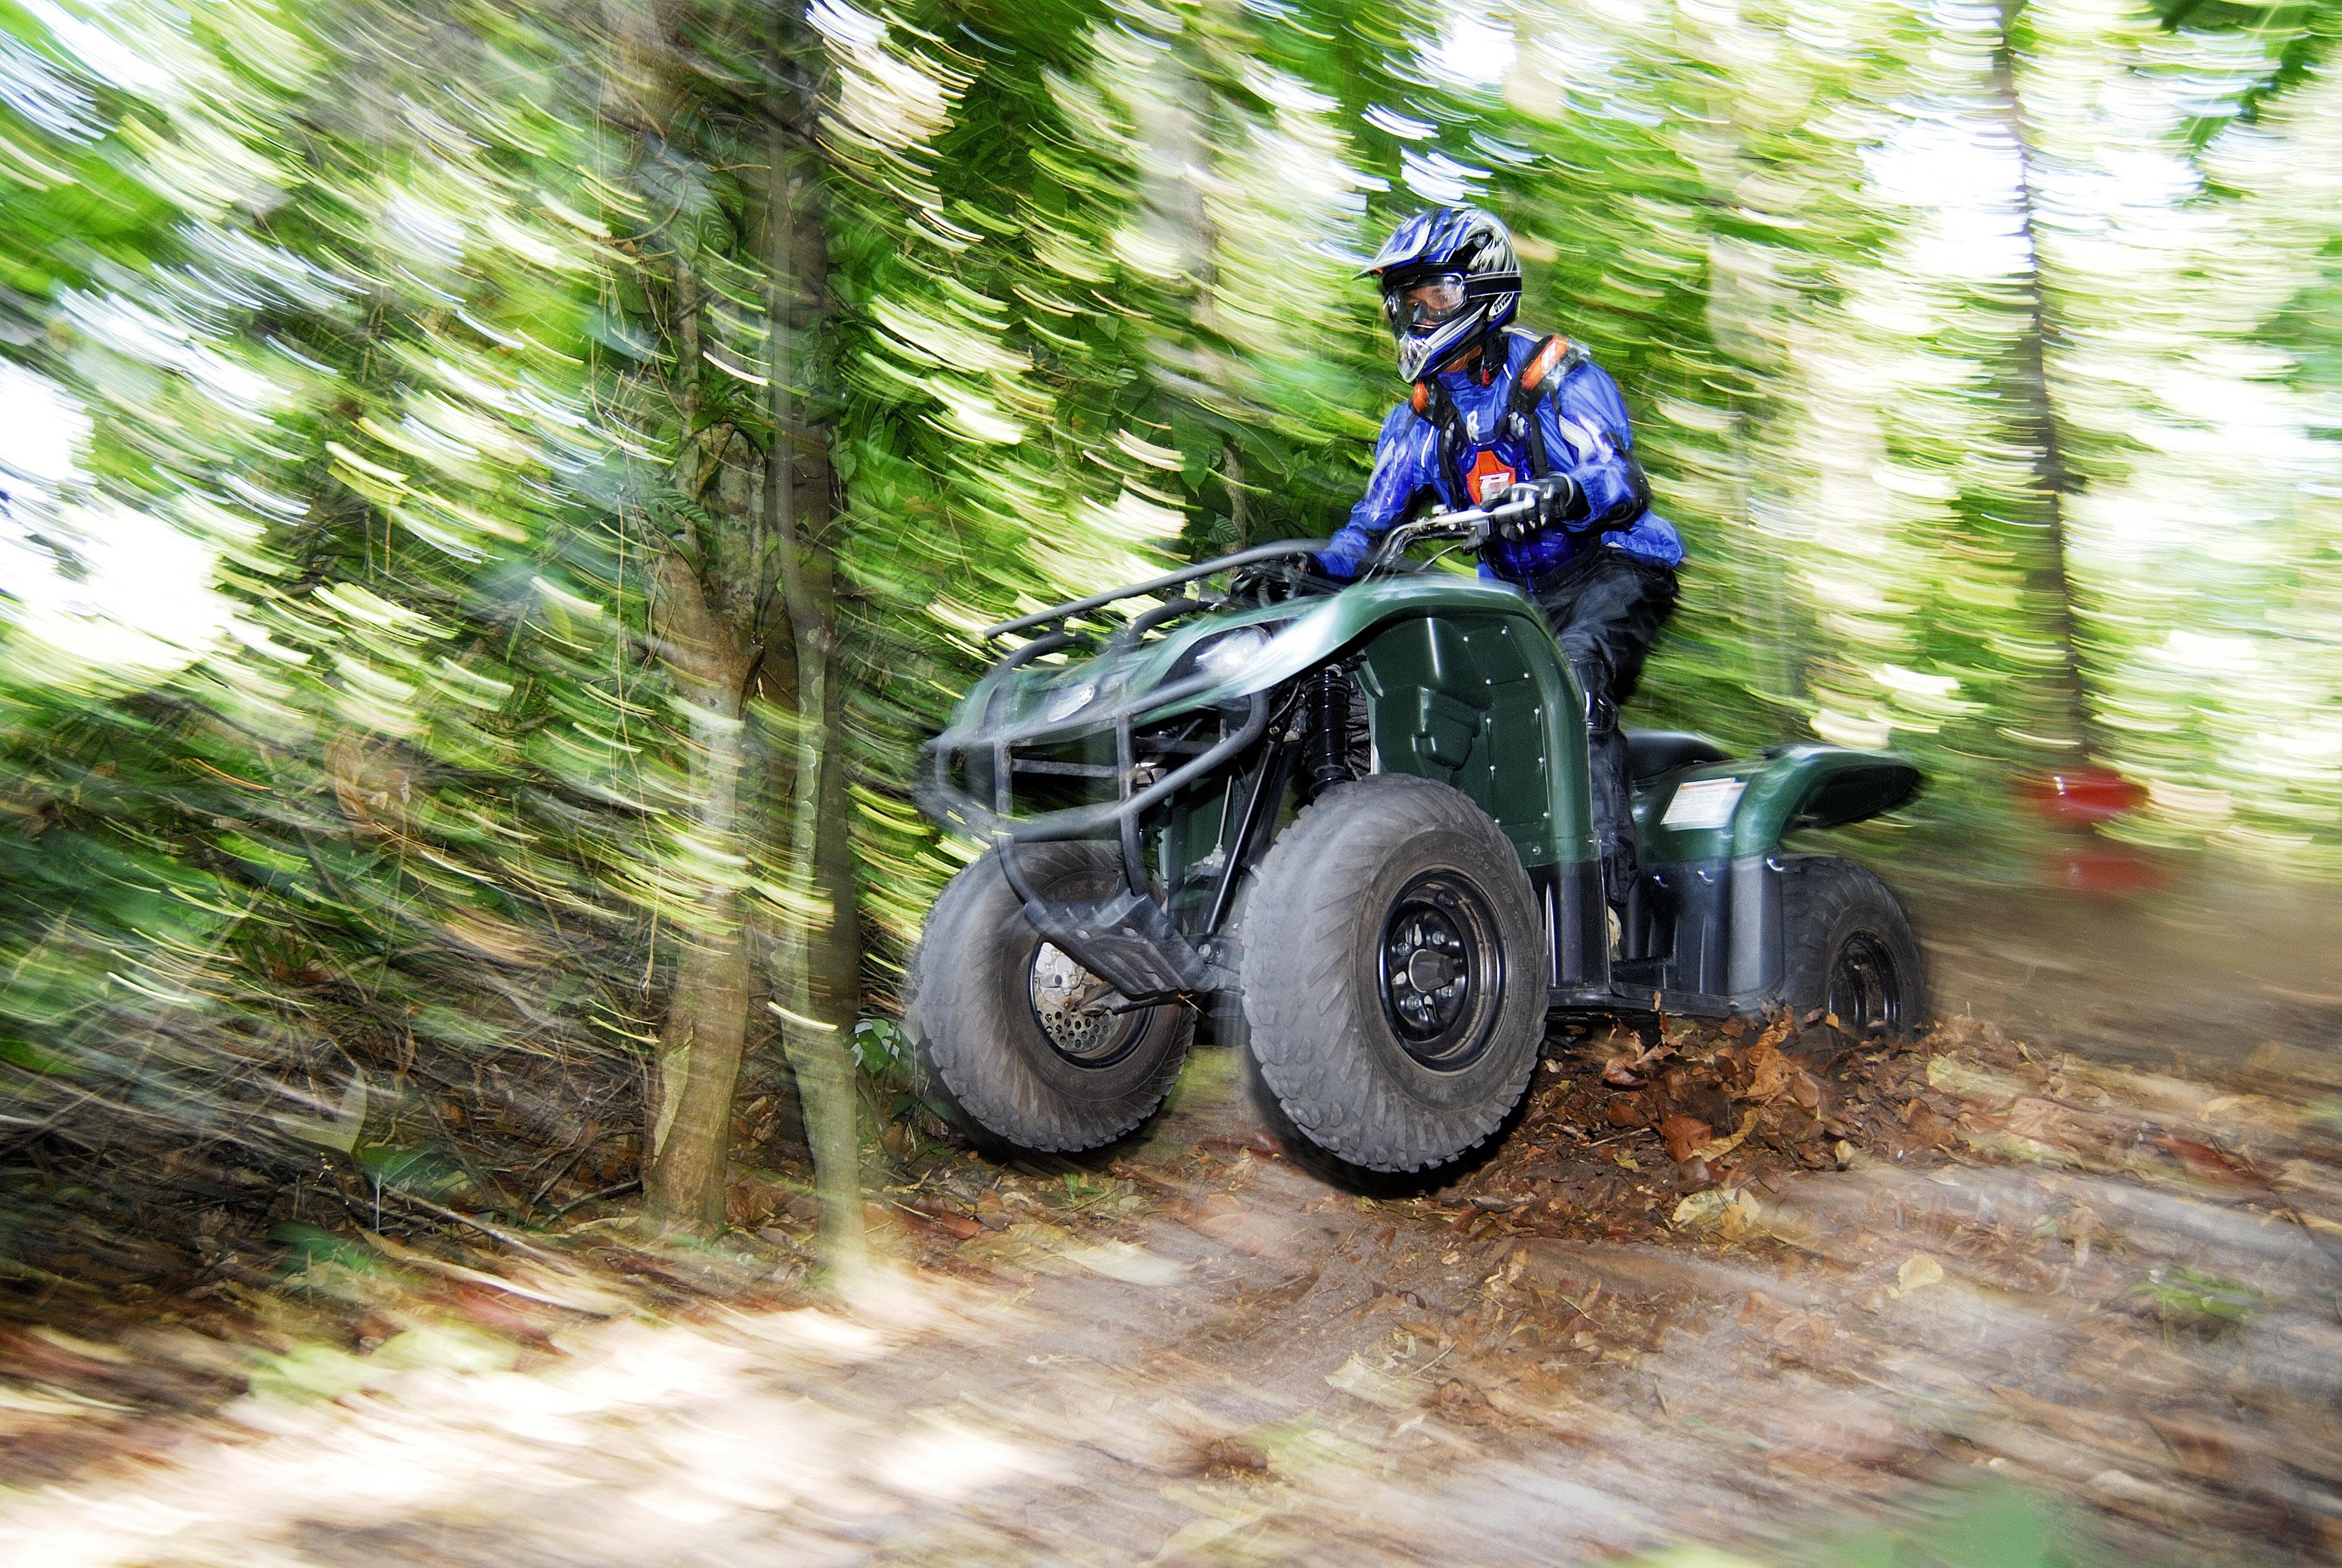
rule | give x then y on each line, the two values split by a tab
1738	813
1818	786
1720	811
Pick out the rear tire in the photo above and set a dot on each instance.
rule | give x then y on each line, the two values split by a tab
988	1005
1849	950
1394	974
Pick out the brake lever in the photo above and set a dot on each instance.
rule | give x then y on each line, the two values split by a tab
1514	519
1407	534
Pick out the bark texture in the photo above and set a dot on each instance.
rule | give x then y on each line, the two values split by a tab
819	948
705	1031
2043	429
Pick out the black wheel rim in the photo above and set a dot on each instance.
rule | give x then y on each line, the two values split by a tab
1069	1007
1441	969
1865	992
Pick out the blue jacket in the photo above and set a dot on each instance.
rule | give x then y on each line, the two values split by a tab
1584	420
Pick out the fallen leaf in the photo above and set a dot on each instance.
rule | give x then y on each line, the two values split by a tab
1717	1147
1918	1273
1769	1072
2202	1159
1219	1216
1701	1211
2040	1119
1685	1135
959	1227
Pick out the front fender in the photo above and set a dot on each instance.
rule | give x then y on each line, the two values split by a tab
1335	622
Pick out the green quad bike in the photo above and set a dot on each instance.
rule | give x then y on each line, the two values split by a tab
1396	947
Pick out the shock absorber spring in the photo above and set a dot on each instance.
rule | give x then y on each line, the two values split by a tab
1325	731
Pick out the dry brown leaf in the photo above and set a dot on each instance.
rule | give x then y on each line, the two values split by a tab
1769	1072
2205	1161
1684	1136
1918	1273
1717	1147
2034	1118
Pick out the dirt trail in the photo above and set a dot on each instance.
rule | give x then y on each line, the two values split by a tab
2204	970
2118	1287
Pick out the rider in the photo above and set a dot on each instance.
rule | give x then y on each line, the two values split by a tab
1493	406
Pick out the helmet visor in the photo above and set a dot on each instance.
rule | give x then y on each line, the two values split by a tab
1421	304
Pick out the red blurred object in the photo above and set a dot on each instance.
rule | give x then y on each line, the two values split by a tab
2108	871
2083	796
2075	801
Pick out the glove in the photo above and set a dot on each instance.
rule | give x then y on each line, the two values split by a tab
1560	502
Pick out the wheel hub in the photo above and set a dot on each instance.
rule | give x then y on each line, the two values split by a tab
1865	995
1440	970
1432	970
1070	1004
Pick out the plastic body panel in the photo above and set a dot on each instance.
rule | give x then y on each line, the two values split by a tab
1462	682
1716	888
1483	702
1805	786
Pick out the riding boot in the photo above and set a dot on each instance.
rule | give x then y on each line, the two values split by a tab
1608	787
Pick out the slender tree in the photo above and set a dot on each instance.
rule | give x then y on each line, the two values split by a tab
820	947
2039	424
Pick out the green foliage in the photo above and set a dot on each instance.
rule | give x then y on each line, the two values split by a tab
372	357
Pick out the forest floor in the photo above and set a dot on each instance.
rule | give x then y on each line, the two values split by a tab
1748	1290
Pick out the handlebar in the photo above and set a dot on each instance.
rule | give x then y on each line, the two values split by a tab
1471	524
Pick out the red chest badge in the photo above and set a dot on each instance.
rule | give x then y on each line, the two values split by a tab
1488	478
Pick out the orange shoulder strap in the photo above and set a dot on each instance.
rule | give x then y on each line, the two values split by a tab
1549	354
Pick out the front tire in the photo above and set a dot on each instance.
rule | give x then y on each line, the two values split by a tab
1848	951
1394	974
1005	1036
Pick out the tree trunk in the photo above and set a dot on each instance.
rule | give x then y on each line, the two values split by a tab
2043	428
707	1021
688	1139
820	940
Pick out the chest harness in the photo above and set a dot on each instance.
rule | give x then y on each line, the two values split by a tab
1489	473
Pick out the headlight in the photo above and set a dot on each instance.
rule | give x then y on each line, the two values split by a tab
1225	655
1067	700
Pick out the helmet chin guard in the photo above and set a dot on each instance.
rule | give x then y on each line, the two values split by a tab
1449	277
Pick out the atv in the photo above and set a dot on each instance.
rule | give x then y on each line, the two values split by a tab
1395	948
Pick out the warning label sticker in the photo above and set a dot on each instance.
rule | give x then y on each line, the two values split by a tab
1704	803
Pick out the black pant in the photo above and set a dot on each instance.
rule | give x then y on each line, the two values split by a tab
1605	609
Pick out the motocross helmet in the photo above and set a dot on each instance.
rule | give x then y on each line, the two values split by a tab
1449	277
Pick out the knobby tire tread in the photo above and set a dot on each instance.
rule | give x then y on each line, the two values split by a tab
1306	1020
1818	894
971	1043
